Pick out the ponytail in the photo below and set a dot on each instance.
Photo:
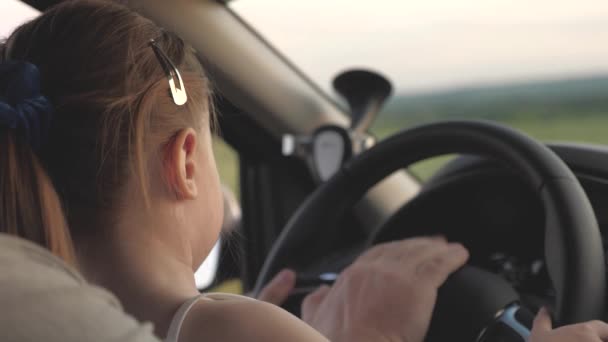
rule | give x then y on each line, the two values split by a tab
29	206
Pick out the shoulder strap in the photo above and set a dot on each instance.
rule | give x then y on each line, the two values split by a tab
178	319
182	312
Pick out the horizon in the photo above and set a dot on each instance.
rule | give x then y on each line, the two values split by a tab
504	83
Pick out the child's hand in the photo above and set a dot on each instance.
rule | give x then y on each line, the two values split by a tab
277	291
542	331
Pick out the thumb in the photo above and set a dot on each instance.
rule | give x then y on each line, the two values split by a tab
542	322
277	291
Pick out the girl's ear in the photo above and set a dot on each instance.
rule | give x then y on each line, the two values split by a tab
180	165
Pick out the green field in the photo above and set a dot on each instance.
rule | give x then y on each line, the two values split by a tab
584	129
228	165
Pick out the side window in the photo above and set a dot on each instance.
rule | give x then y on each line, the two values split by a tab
228	165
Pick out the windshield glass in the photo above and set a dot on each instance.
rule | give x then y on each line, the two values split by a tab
541	66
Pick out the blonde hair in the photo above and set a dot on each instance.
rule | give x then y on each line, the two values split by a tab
29	207
114	113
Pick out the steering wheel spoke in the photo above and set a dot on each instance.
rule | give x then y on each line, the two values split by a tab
512	324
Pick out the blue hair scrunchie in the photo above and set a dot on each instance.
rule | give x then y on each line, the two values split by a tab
22	107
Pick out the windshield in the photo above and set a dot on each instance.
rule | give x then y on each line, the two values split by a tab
541	66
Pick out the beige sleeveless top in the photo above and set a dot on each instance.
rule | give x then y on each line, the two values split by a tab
182	312
43	299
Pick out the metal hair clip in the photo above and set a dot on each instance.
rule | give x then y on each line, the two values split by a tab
178	93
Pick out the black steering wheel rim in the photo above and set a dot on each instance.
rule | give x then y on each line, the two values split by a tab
573	249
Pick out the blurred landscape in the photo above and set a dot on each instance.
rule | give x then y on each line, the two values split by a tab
574	109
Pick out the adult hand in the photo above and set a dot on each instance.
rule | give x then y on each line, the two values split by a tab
387	294
542	331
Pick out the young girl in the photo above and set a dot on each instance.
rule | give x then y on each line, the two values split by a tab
43	297
129	151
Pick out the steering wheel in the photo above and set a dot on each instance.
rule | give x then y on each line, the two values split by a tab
573	249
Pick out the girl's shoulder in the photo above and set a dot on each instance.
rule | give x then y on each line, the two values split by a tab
228	317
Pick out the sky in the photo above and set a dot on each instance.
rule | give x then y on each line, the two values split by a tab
12	14
425	45
432	44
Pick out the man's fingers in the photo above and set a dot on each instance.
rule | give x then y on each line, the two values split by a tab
600	328
439	267
312	301
542	322
277	291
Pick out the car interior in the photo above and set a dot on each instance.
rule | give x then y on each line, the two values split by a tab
315	186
